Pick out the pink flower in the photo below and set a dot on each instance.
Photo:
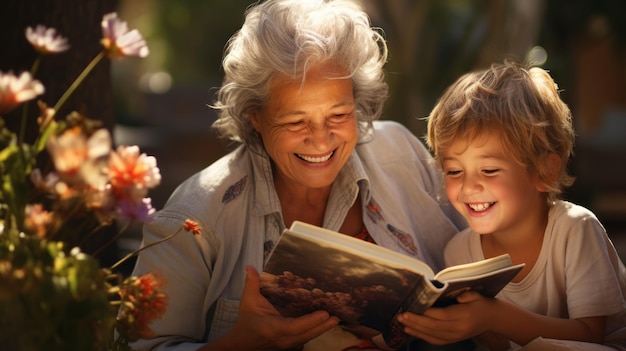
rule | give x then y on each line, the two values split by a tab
135	210
46	183
133	173
68	151
16	90
102	202
78	159
118	41
45	40
37	220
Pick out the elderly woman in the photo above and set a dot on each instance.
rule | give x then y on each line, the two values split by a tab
303	86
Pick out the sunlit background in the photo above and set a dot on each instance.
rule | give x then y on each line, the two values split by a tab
161	102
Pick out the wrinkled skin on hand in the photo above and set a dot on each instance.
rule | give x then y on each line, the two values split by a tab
260	326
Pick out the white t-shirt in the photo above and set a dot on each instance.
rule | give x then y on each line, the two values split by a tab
578	272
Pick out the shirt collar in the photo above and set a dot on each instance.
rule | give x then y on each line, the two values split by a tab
350	180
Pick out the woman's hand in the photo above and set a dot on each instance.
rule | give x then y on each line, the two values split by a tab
451	324
260	326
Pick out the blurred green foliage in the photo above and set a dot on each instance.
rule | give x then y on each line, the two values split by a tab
51	300
432	42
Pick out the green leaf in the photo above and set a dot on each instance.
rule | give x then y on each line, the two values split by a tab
41	142
14	188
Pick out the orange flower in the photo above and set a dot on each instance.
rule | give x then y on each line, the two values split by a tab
143	303
192	227
152	303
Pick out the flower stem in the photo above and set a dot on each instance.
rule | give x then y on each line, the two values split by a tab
115	237
22	134
23	124
78	80
143	248
35	67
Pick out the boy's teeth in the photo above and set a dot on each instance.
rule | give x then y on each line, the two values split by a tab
480	207
316	159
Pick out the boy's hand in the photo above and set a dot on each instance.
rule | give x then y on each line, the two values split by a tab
450	324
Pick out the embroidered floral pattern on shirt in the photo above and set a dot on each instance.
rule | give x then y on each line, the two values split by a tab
405	239
373	211
234	190
268	245
375	214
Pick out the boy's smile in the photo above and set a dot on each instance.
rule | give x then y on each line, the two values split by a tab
489	188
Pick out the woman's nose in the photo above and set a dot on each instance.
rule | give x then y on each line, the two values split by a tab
320	133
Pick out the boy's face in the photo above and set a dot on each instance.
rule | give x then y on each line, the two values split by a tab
492	191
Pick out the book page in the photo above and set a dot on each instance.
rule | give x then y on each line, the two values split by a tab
474	268
487	284
361	247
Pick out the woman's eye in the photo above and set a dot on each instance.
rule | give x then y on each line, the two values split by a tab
295	126
340	117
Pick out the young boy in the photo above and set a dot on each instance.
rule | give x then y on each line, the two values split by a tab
503	138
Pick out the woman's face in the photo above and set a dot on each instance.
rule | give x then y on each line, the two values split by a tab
309	129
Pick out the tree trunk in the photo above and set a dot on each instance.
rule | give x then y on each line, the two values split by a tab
80	22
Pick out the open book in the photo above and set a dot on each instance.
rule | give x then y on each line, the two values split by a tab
366	285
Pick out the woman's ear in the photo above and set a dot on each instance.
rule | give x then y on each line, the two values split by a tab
254	119
551	176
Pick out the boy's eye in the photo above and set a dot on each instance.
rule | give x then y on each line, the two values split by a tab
452	173
490	171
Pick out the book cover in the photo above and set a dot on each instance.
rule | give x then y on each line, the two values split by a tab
363	284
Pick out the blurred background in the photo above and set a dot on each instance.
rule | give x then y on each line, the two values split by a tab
161	102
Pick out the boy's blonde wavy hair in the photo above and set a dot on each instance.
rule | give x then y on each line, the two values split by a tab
519	102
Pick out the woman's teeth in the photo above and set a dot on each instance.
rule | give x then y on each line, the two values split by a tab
480	207
316	159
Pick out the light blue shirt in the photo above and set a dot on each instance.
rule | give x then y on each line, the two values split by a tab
235	203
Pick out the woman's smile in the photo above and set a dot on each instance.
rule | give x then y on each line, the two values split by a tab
316	159
309	127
